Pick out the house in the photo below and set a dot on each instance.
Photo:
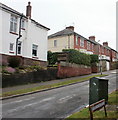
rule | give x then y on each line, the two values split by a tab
22	36
69	39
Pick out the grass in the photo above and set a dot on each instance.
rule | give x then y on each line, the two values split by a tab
62	83
111	113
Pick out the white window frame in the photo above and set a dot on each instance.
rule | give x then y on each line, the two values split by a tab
82	42
88	45
92	46
11	46
34	47
55	43
13	23
77	42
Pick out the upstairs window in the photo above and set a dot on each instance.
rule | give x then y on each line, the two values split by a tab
88	45
92	46
81	42
13	24
34	50
55	43
77	40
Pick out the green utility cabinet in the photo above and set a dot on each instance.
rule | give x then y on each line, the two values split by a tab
98	89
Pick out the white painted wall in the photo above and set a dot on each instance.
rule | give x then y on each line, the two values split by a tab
31	35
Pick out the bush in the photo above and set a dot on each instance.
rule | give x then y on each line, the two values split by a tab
94	58
74	56
14	61
52	58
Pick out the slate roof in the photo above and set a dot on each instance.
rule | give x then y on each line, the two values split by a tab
66	32
62	33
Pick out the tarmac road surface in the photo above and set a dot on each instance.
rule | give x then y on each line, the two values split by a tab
56	103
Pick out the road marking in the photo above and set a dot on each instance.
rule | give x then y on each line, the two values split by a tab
19	101
28	105
64	99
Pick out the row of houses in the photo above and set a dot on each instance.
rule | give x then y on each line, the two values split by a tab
69	39
28	39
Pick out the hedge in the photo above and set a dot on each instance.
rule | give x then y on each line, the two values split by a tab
77	57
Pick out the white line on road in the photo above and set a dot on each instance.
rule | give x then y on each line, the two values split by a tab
23	107
18	101
64	99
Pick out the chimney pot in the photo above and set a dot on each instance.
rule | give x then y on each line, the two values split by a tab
70	28
28	10
105	44
92	38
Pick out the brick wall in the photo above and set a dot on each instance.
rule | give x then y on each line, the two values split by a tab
70	70
24	61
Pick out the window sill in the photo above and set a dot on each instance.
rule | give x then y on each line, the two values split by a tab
14	33
11	52
23	28
35	57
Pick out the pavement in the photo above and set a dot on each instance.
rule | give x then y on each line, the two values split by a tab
19	87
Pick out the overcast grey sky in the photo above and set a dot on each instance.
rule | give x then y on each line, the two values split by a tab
89	17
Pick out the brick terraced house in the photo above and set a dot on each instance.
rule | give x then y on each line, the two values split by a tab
68	39
22	36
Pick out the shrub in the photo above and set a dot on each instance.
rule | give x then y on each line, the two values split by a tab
14	61
52	58
74	56
94	58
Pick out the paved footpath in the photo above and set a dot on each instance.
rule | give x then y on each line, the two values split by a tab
19	87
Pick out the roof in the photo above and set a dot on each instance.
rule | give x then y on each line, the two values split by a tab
66	32
62	33
6	8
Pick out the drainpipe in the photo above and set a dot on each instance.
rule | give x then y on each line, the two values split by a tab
19	34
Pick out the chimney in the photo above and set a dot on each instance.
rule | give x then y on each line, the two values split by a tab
105	44
70	28
92	38
28	10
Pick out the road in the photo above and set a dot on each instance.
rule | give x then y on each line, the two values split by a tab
56	103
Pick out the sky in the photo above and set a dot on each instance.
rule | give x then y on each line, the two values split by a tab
89	17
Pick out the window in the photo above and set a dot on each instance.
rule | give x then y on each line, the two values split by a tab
13	24
92	46
19	48
88	45
34	50
55	43
77	40
81	42
23	24
11	46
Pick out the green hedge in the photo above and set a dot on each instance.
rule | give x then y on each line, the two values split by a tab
52	58
94	58
74	56
77	57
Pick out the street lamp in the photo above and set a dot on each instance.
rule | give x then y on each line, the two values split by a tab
100	62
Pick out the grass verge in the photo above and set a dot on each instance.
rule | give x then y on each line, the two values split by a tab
111	110
61	83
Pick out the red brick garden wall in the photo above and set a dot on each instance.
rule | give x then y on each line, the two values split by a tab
24	61
71	71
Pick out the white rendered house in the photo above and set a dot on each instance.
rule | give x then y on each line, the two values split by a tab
22	36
